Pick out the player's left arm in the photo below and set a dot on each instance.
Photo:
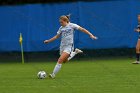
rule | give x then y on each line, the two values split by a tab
87	32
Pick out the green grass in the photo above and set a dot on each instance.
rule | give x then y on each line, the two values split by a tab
92	76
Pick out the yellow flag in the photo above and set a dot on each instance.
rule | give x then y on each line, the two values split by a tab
22	52
20	38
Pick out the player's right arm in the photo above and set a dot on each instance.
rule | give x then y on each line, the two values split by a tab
52	39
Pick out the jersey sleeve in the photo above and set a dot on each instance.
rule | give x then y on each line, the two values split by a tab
75	26
59	31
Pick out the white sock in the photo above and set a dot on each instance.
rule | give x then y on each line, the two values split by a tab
57	68
72	55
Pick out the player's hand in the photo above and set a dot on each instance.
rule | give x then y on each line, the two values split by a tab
93	37
46	41
137	30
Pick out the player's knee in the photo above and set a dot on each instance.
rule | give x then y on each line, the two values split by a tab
137	49
60	61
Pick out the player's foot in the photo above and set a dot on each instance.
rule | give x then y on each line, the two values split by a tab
136	62
52	75
78	51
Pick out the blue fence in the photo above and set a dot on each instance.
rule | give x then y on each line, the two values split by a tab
112	21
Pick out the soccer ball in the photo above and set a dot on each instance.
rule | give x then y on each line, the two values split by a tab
41	74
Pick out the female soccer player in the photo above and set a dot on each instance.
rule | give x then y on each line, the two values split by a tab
138	42
66	47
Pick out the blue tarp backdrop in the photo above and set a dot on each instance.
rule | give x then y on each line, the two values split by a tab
112	21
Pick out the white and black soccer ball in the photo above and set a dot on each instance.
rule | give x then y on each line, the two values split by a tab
41	74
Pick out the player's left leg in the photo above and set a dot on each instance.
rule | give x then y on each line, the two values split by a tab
64	56
137	52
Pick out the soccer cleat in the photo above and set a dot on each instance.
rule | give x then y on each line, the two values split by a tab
52	76
77	51
136	62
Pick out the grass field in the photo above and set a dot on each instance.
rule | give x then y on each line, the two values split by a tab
92	76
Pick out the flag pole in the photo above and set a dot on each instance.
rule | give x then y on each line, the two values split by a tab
21	45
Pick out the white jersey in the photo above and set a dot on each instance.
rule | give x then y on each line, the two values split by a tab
67	34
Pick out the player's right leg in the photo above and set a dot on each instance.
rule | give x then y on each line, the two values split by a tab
73	53
137	52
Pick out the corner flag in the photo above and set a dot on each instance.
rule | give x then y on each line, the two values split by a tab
22	52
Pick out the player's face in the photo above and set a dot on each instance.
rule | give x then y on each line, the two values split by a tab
62	22
139	18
